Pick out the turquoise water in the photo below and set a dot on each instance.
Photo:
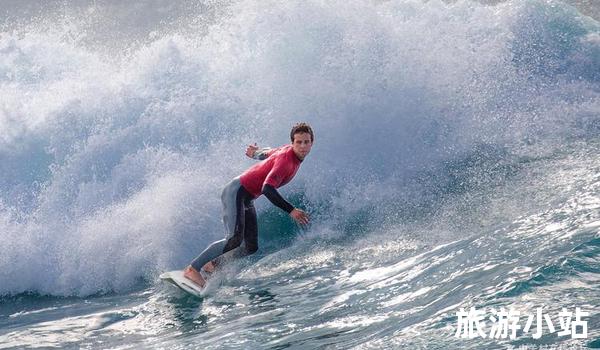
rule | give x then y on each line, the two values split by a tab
455	165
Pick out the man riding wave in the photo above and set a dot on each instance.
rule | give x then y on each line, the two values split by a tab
277	167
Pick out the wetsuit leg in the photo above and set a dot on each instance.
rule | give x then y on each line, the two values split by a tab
210	253
251	230
246	228
240	222
229	210
229	206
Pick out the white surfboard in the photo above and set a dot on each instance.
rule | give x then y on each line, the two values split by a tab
176	278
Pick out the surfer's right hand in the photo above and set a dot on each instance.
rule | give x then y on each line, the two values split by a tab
251	150
300	216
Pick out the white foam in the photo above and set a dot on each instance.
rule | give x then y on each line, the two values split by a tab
113	168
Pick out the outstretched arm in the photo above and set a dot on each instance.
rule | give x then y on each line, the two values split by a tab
273	195
254	152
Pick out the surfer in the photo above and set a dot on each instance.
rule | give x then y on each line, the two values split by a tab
277	167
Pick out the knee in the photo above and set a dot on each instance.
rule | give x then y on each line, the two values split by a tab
233	242
251	248
236	240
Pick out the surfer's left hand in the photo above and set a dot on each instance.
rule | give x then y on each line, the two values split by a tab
300	216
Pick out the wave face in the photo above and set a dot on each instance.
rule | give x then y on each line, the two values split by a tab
432	122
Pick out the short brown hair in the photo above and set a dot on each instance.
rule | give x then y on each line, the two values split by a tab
300	128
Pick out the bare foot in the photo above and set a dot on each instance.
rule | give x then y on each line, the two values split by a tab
194	276
209	267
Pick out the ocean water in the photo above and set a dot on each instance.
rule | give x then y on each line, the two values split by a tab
455	165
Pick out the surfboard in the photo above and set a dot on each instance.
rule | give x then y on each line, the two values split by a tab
176	278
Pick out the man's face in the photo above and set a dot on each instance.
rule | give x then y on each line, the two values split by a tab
302	144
